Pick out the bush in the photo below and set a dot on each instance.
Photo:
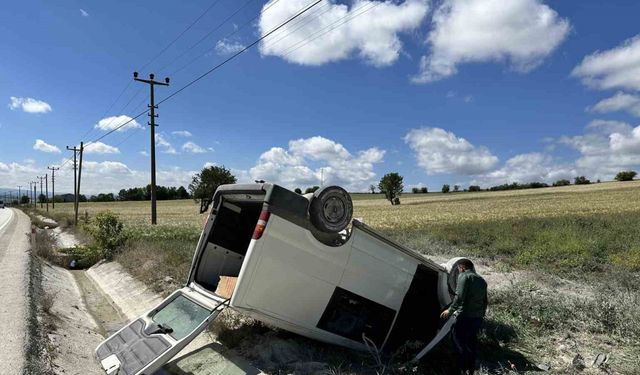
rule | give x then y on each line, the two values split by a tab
445	188
581	180
298	191
107	230
626	175
474	188
562	182
415	190
85	256
311	189
424	190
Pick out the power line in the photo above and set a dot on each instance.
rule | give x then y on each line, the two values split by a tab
216	28
219	65
144	66
316	2
330	28
300	13
240	28
302	22
179	35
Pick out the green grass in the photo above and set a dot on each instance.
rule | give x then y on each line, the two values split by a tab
586	243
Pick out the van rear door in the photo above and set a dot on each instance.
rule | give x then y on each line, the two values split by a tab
148	342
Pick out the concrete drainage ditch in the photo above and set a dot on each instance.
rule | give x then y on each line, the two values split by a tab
89	305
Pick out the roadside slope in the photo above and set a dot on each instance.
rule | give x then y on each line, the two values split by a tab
14	286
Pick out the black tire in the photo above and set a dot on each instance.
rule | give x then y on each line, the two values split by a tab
331	209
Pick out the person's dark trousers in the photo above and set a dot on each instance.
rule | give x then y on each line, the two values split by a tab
465	334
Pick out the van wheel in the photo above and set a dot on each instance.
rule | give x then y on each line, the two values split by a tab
331	209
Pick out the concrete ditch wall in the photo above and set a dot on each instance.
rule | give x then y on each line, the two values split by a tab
133	298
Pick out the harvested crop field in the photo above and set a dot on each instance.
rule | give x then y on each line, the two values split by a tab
564	227
416	210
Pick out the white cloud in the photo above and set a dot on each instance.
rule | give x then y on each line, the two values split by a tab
43	146
143	153
619	102
606	148
609	126
112	122
29	105
106	167
182	133
368	29
166	147
228	47
618	67
522	32
193	148
525	168
14	174
84	13
97	177
308	161
440	151
100	148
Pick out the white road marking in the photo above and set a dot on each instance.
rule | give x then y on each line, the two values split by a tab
5	217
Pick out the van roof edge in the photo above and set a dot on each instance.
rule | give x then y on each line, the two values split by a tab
413	253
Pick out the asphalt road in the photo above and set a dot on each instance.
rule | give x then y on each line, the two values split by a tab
14	287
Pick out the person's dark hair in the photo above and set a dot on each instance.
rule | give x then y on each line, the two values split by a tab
466	263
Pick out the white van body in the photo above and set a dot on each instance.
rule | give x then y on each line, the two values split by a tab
340	289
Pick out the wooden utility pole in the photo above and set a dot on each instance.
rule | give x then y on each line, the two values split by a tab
19	194
46	187
41	178
53	185
152	123
79	177
75	183
35	186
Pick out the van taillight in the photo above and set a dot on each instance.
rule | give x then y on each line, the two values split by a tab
262	223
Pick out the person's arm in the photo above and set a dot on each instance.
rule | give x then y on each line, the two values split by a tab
461	291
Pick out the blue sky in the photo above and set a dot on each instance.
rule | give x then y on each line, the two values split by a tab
454	91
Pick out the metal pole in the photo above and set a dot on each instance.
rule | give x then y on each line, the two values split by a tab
153	156
41	178
35	201
79	178
75	184
46	184
19	194
152	123
53	185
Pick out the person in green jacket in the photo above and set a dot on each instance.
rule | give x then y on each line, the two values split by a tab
470	305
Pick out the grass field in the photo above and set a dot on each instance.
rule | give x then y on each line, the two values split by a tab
585	236
572	226
418	209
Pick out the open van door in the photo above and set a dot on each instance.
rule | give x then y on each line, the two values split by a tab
148	342
442	333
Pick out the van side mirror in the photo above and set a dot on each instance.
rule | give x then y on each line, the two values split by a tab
204	205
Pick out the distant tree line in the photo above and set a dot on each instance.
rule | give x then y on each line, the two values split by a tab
163	193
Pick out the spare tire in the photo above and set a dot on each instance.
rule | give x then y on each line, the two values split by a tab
330	209
452	269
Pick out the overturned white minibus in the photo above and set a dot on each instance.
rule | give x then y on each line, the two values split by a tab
296	262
